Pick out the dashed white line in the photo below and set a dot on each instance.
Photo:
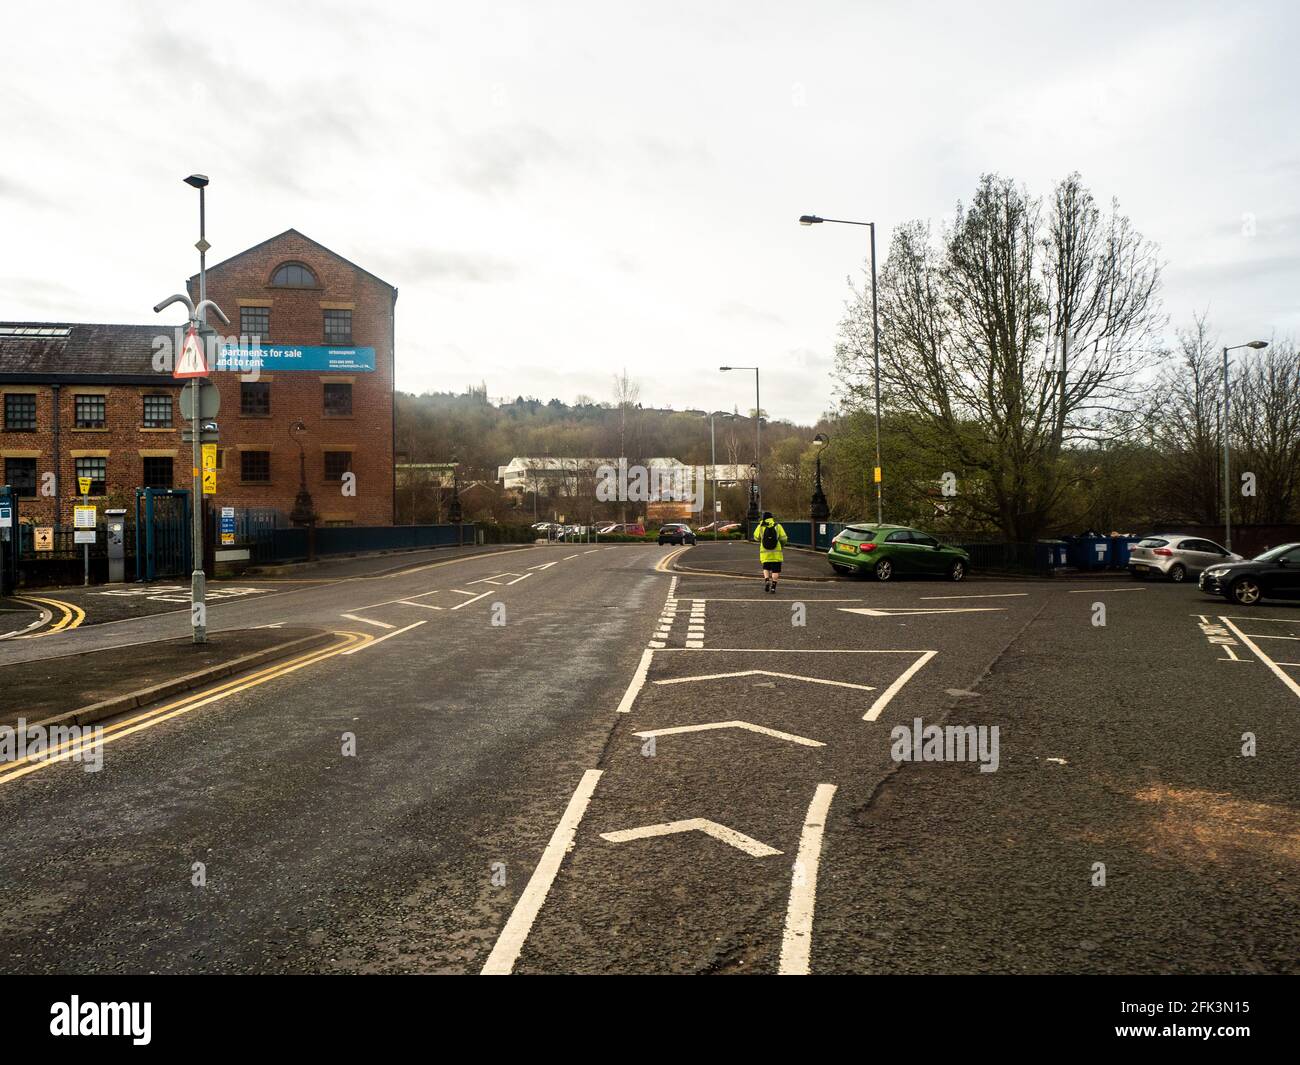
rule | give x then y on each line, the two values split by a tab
467	602
998	595
637	682
885	696
505	952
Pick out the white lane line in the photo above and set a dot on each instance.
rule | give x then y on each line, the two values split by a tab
1289	663
697	645
677	730
388	636
796	940
424	606
548	565
44	615
767	673
505	952
1255	617
461	591
897	686
518	579
1102	591
368	621
730	836
637	683
592	551
466	602
998	595
816	651
1261	636
567	557
778	602
1283	676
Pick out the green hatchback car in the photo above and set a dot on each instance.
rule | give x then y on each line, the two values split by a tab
889	551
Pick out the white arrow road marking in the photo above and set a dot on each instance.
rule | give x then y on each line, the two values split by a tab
368	621
767	673
1281	675
505	952
872	612
466	602
796	940
427	606
739	840
678	729
548	565
518	579
494	579
386	636
897	686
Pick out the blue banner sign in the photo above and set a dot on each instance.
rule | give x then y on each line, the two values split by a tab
273	358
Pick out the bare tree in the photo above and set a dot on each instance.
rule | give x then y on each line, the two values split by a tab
1265	413
971	342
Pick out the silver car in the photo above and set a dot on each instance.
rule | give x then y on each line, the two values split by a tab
1175	557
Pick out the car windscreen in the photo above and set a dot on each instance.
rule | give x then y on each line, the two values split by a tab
858	536
1276	552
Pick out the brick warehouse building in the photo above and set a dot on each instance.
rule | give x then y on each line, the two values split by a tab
88	400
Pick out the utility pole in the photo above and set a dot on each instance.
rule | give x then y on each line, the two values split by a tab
191	362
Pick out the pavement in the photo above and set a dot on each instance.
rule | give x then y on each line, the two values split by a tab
574	759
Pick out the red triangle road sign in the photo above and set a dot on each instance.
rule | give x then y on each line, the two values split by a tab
190	362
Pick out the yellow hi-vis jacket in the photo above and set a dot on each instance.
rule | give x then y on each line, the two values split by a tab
774	555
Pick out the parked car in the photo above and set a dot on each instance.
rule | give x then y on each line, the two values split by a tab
608	527
1273	575
887	551
1175	557
728	526
676	533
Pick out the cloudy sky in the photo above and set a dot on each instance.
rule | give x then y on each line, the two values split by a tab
561	190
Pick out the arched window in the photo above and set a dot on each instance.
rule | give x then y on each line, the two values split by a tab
294	275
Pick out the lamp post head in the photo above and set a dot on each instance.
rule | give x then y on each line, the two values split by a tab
821	439
809	220
1257	344
724	367
197	181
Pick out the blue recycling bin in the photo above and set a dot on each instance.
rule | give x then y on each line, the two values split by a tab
1120	546
1050	554
1089	552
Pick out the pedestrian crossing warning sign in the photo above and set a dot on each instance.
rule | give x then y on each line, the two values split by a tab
209	482
190	362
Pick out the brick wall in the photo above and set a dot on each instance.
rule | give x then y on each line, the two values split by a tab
297	317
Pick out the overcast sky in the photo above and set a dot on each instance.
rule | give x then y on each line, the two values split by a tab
560	190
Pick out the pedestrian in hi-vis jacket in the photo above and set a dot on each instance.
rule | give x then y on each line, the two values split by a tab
771	538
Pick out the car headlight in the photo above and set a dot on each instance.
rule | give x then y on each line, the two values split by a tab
1215	572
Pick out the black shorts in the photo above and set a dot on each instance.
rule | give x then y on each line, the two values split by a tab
772	567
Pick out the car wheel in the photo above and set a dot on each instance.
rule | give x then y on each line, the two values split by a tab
1245	591
1178	573
884	570
957	571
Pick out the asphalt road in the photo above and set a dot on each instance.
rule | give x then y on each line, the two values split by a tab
568	760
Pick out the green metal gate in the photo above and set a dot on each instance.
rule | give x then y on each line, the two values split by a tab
162	533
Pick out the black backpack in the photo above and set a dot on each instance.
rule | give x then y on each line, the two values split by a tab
770	539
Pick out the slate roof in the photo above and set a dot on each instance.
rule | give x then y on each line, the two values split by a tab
88	350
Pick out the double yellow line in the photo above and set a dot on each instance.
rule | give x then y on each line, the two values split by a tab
128	726
70	617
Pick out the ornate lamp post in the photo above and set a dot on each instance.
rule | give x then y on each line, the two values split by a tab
819	510
304	510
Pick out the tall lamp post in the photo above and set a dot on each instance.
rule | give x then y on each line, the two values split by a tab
819	510
877	473
713	464
198	316
1227	488
756	500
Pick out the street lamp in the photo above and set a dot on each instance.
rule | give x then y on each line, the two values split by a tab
713	464
1227	496
819	510
877	473
198	317
756	500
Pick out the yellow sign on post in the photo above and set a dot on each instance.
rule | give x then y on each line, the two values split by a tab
877	475
83	485
209	482
44	537
210	456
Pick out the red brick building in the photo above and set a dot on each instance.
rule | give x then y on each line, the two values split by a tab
313	350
